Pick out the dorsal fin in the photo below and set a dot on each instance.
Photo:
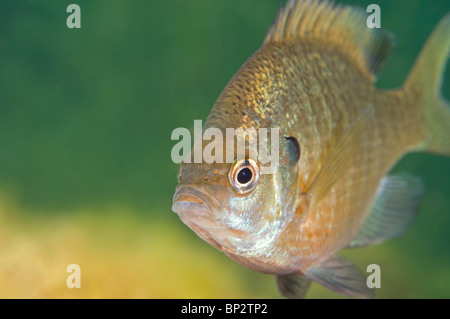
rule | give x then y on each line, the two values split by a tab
339	25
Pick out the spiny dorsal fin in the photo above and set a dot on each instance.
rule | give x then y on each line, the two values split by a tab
343	26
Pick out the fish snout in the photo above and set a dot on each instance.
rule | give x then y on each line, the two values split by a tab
198	211
190	202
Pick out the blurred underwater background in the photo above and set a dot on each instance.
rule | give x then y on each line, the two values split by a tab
86	176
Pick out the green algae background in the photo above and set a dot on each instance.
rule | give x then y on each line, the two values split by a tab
86	176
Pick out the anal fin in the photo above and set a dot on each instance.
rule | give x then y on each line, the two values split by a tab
395	207
342	276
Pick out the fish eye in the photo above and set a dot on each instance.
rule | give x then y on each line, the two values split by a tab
244	176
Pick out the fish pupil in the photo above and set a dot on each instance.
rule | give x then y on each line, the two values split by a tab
245	175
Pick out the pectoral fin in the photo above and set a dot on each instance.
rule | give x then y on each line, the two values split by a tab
342	276
294	286
395	207
342	156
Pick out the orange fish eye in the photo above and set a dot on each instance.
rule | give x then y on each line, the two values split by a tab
244	176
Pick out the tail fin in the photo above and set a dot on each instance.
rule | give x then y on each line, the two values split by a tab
426	77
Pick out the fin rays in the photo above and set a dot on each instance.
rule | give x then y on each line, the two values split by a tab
343	26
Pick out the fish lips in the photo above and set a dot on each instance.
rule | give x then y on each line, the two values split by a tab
198	211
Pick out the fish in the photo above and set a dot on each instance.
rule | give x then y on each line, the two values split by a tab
339	138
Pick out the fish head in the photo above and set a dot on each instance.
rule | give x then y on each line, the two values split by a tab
234	207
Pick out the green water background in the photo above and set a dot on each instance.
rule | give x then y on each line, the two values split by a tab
86	115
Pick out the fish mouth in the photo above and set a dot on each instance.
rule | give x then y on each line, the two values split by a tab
204	215
190	200
197	210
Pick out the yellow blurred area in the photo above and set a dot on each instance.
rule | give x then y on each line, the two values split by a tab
119	254
123	255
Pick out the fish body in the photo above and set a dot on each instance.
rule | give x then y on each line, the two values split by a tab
314	79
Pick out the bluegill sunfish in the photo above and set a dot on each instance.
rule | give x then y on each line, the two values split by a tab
313	78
